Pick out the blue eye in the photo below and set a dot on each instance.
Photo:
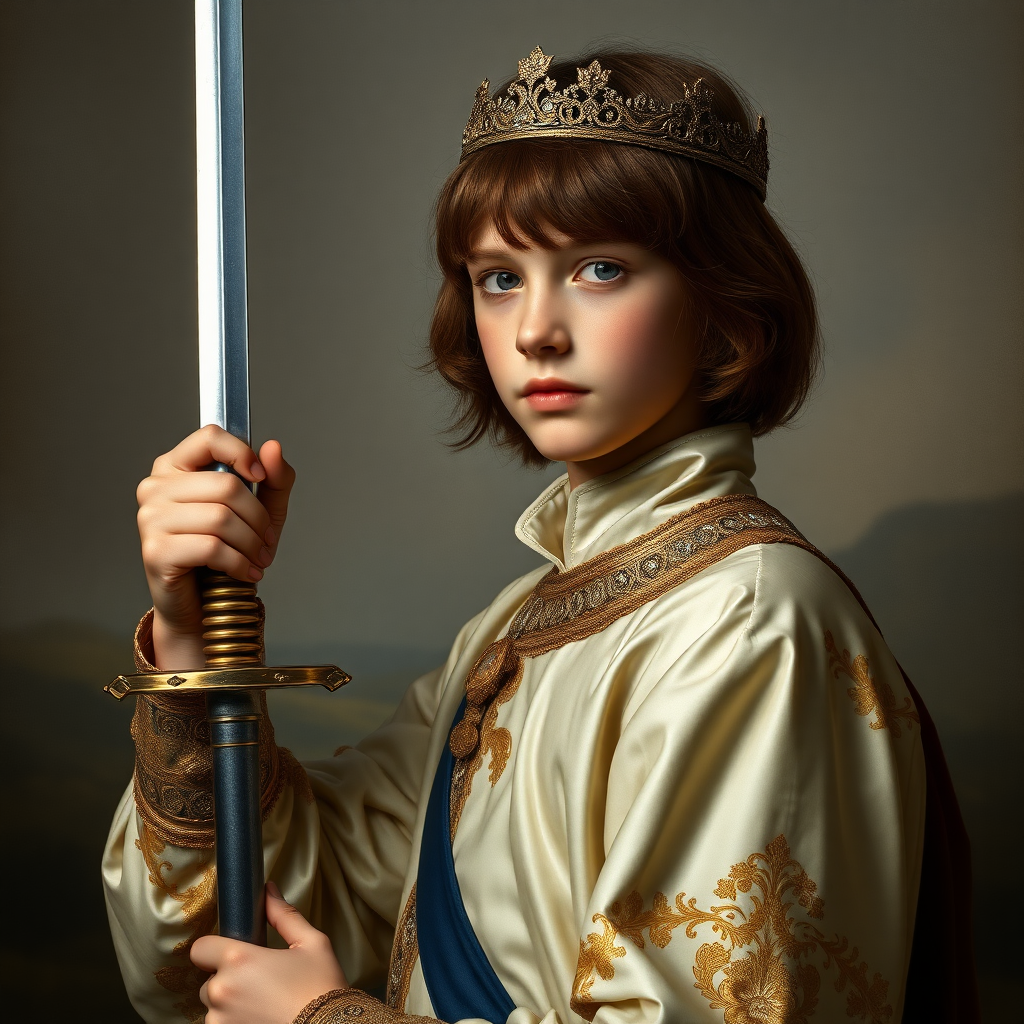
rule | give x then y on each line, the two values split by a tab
501	281
601	271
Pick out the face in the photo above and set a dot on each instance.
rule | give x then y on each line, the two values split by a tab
590	347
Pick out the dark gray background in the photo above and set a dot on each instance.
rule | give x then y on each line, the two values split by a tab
895	133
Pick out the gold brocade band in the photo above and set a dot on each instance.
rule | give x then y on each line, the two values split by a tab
173	780
346	1004
404	953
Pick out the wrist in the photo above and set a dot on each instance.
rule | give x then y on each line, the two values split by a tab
176	649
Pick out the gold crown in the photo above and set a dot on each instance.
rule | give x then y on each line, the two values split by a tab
534	107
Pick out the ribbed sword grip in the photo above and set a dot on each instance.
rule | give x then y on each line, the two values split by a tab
232	635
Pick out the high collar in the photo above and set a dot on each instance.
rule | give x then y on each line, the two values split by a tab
570	527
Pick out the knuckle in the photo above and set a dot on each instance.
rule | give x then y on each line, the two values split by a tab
226	485
222	517
214	991
236	956
208	548
151	551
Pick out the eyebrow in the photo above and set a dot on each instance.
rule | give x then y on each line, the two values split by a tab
487	254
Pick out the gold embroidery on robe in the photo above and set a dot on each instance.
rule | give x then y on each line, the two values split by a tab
868	698
199	911
773	983
404	953
495	740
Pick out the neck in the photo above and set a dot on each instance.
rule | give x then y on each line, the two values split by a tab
688	415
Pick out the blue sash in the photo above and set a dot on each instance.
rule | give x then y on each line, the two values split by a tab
459	978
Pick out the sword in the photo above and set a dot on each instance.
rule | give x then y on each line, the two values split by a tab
234	672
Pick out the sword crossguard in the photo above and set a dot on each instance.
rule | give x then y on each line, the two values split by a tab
256	678
233	644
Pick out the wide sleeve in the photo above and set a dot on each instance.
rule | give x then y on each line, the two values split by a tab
763	824
337	835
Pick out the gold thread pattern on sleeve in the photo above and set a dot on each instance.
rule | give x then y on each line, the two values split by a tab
867	696
348	1005
404	953
199	911
774	983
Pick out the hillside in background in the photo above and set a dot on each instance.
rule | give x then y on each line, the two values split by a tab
944	582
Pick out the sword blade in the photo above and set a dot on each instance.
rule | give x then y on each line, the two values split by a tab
220	222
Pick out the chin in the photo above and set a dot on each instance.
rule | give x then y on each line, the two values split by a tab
564	449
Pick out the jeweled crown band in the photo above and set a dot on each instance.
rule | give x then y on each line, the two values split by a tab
535	107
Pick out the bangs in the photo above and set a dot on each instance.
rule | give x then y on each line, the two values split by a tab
586	190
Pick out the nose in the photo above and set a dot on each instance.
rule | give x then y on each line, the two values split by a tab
542	330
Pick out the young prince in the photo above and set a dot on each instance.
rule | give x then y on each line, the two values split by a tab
673	775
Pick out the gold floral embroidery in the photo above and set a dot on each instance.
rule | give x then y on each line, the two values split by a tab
868	698
773	983
596	955
403	956
199	910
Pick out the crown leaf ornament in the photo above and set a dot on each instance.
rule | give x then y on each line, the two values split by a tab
535	107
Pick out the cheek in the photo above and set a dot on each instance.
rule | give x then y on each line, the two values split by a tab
645	345
498	359
491	332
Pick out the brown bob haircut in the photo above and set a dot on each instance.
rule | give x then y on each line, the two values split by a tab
750	295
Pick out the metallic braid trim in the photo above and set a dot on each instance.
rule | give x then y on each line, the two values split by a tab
404	953
343	1005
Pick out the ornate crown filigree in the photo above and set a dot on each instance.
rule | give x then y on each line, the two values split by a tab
535	107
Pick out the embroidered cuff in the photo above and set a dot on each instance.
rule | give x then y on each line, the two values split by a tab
174	762
344	1005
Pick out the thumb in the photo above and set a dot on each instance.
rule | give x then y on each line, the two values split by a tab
275	490
289	923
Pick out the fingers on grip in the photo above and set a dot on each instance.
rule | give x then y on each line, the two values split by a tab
210	444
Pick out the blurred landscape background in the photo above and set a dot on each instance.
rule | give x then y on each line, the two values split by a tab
896	141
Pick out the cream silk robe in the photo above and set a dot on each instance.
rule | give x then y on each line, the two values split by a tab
711	810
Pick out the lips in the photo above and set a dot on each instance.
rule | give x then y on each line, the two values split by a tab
551	394
551	385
